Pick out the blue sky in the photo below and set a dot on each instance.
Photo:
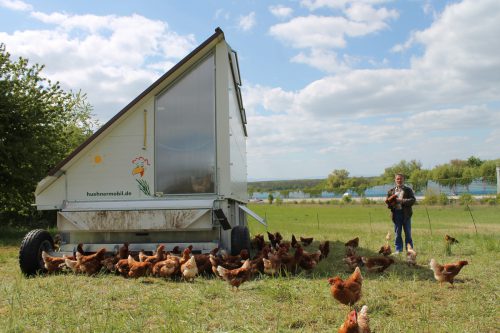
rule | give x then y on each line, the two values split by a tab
327	84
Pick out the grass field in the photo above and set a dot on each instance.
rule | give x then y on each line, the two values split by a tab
402	299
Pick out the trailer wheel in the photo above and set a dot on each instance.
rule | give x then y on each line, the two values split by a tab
30	252
240	239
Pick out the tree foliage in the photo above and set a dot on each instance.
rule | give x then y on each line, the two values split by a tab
39	125
336	181
403	167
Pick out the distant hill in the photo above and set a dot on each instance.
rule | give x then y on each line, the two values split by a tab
280	185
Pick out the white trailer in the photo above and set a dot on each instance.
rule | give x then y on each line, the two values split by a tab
170	168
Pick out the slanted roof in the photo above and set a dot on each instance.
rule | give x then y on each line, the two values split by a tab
207	44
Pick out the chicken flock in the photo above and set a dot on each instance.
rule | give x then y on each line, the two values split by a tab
271	258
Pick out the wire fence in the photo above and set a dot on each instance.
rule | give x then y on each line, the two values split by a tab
450	187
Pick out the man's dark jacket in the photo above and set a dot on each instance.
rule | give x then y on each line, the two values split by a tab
408	201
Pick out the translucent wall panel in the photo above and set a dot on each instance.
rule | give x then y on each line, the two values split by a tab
185	133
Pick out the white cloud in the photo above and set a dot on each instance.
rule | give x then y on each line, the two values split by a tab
274	100
281	11
337	4
322	34
443	106
17	5
111	58
222	13
469	116
319	31
459	65
361	12
247	22
324	60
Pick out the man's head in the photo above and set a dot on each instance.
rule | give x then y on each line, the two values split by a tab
399	179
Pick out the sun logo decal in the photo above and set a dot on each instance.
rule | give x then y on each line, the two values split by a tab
138	171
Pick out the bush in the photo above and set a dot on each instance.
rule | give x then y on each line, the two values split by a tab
279	201
367	201
270	198
465	199
346	199
431	197
443	199
488	201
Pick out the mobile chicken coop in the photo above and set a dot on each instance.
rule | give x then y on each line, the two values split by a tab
170	168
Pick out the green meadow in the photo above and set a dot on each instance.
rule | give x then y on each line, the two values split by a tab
401	299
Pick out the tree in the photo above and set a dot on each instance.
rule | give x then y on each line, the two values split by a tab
270	198
448	174
358	185
418	179
474	162
487	171
403	167
336	181
39	125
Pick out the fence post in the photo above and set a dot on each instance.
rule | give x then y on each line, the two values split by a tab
429	219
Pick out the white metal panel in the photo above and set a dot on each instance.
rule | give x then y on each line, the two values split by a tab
138	205
222	119
237	144
118	164
135	220
50	196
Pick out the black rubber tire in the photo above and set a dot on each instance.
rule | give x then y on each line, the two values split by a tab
30	252
240	239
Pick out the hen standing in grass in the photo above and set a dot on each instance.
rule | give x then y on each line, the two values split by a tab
53	264
356	322
386	248
189	269
137	268
353	243
377	264
347	292
350	325
90	264
450	240
237	276
324	247
411	256
446	273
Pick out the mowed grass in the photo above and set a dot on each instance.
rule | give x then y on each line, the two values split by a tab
402	299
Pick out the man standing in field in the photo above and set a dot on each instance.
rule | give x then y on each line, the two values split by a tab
400	199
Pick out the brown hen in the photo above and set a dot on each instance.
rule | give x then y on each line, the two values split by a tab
236	277
447	273
90	264
347	292
377	264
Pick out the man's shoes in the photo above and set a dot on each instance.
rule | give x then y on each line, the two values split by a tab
396	253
